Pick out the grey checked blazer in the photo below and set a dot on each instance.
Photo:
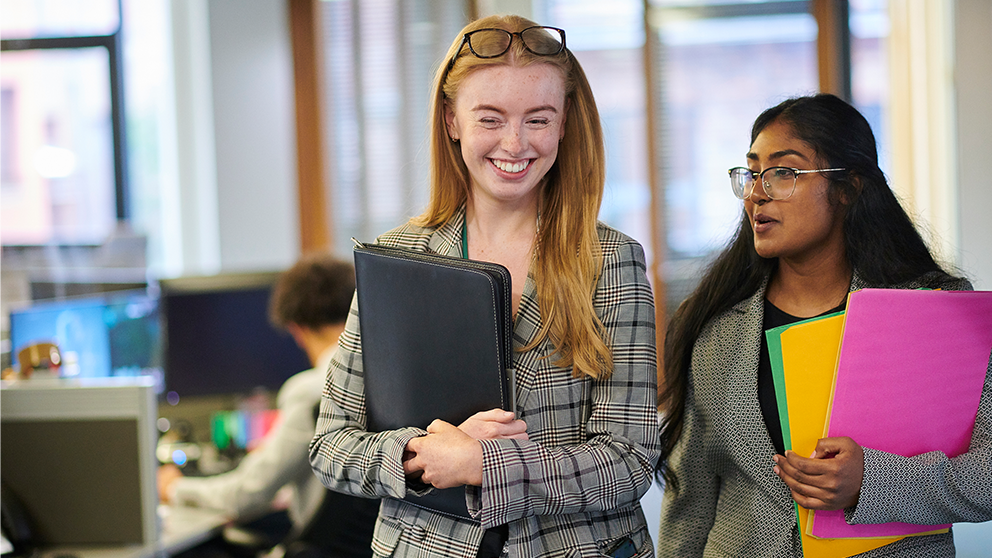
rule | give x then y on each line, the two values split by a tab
732	504
574	487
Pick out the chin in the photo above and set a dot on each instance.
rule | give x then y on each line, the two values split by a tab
765	251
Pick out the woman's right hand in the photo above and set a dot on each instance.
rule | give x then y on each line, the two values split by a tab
167	474
494	424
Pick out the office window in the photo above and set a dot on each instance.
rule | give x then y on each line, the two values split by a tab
869	24
608	41
26	19
717	66
380	57
63	179
58	180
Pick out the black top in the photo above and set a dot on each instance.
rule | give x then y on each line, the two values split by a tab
766	386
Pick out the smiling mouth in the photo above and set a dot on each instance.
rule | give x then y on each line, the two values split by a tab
514	168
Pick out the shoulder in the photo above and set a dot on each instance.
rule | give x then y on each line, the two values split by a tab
934	280
617	245
408	236
938	280
304	386
746	315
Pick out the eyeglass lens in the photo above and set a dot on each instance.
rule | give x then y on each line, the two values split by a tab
777	182
490	43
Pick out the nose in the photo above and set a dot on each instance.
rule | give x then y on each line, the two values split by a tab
758	195
514	141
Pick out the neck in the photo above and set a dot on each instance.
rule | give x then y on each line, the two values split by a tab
504	234
808	290
491	224
315	341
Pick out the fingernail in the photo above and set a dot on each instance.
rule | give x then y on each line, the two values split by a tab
813	455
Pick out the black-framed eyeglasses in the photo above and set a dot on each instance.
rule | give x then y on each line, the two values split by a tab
779	183
493	43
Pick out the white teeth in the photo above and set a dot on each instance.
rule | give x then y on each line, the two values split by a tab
510	167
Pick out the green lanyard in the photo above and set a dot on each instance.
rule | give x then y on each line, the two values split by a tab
465	239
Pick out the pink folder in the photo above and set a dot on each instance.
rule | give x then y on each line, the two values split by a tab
909	378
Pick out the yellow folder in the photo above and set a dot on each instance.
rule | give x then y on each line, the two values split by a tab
804	359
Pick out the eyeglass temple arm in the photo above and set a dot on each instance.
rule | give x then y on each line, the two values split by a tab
797	171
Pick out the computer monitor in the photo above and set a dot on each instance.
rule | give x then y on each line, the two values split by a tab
79	456
218	338
116	334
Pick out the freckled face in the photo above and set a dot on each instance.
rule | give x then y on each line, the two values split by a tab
804	226
508	121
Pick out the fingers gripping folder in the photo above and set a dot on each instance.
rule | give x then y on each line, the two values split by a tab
435	343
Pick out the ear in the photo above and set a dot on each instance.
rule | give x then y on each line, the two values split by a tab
298	333
449	121
856	187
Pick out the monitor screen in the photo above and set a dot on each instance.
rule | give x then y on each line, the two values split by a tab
117	334
218	338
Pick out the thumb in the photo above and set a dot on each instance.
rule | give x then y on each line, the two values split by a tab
830	447
438	426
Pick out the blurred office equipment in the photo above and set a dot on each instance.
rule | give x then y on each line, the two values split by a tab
223	363
115	334
218	339
39	356
79	456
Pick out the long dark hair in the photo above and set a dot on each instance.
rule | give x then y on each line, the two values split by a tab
881	242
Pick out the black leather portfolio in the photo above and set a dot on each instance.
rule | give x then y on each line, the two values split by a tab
435	343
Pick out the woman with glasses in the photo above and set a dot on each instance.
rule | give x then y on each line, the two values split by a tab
818	222
517	174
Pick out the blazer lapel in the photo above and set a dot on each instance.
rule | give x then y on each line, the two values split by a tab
525	328
447	239
756	461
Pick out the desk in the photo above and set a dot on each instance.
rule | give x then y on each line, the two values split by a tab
185	527
181	528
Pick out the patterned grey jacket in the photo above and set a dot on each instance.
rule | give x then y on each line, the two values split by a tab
732	504
570	490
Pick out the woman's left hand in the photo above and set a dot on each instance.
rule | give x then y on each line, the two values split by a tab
446	457
830	479
493	425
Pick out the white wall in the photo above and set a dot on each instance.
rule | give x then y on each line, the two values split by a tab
234	205
973	84
254	123
973	88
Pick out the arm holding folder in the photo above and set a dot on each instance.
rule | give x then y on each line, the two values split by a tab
935	468
943	489
574	425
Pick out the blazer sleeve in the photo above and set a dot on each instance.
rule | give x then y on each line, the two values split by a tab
688	512
931	489
344	456
611	465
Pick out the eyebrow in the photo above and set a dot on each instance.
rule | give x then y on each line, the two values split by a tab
752	156
493	108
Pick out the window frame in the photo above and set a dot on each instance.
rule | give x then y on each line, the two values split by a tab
112	43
